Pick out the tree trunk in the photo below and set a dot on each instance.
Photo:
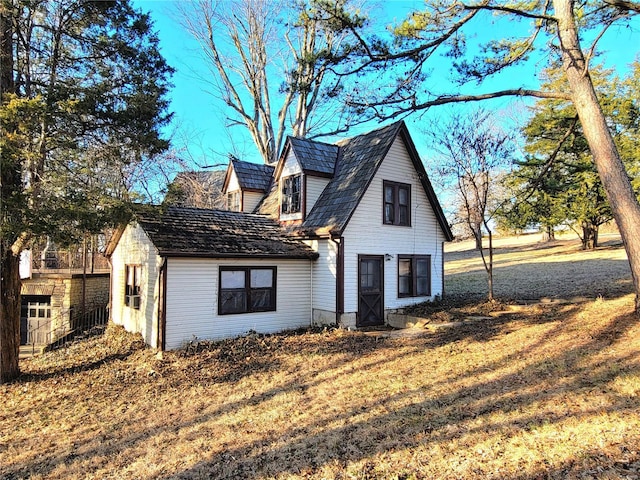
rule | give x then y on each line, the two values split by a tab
548	234
625	206
477	234
9	316
588	236
10	181
490	269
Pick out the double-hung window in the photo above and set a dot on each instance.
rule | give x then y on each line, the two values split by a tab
233	201
291	194
397	203
246	290
414	275
132	286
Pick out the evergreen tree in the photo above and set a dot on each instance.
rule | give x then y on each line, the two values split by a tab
558	183
83	101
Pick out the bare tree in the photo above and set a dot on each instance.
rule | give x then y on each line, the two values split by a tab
269	61
202	189
474	153
440	29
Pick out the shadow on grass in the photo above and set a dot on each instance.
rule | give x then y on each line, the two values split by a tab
438	419
426	417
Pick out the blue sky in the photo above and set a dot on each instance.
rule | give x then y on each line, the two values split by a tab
199	117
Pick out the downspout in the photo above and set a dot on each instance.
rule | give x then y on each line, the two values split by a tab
311	282
339	278
442	267
162	307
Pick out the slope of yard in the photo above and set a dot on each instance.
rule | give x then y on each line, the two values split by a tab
547	390
525	270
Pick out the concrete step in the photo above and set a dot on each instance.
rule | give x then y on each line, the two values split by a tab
28	351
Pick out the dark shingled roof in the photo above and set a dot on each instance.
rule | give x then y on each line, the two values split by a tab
357	160
314	156
252	176
193	232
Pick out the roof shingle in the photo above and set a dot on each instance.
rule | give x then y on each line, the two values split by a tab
359	160
252	176
314	156
181	231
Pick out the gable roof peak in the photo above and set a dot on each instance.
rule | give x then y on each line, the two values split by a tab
251	176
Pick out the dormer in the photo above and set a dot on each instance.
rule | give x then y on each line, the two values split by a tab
304	170
245	184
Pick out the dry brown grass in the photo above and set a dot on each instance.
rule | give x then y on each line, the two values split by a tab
549	391
526	270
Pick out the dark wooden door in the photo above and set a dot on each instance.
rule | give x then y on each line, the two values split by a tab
370	291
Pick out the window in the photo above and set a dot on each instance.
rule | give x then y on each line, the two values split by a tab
233	201
246	290
132	285
414	275
397	203
291	194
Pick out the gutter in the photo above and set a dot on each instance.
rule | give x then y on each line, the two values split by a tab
339	241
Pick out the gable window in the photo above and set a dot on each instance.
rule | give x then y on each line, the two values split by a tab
132	286
291	194
246	290
397	203
233	201
414	275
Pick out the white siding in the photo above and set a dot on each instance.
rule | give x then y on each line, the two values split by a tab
324	274
291	166
366	234
250	201
192	309
135	248
233	182
314	187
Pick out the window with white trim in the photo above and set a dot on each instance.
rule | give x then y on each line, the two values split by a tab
132	274
291	194
233	201
246	290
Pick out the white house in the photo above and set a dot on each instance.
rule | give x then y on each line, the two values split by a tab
342	234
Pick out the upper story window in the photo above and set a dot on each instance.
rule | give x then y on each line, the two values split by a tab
246	290
291	194
397	203
132	289
233	201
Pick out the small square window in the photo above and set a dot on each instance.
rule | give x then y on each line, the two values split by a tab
233	201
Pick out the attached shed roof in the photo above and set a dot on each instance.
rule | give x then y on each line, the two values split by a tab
252	176
193	232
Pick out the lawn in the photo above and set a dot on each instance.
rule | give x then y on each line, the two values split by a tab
536	387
